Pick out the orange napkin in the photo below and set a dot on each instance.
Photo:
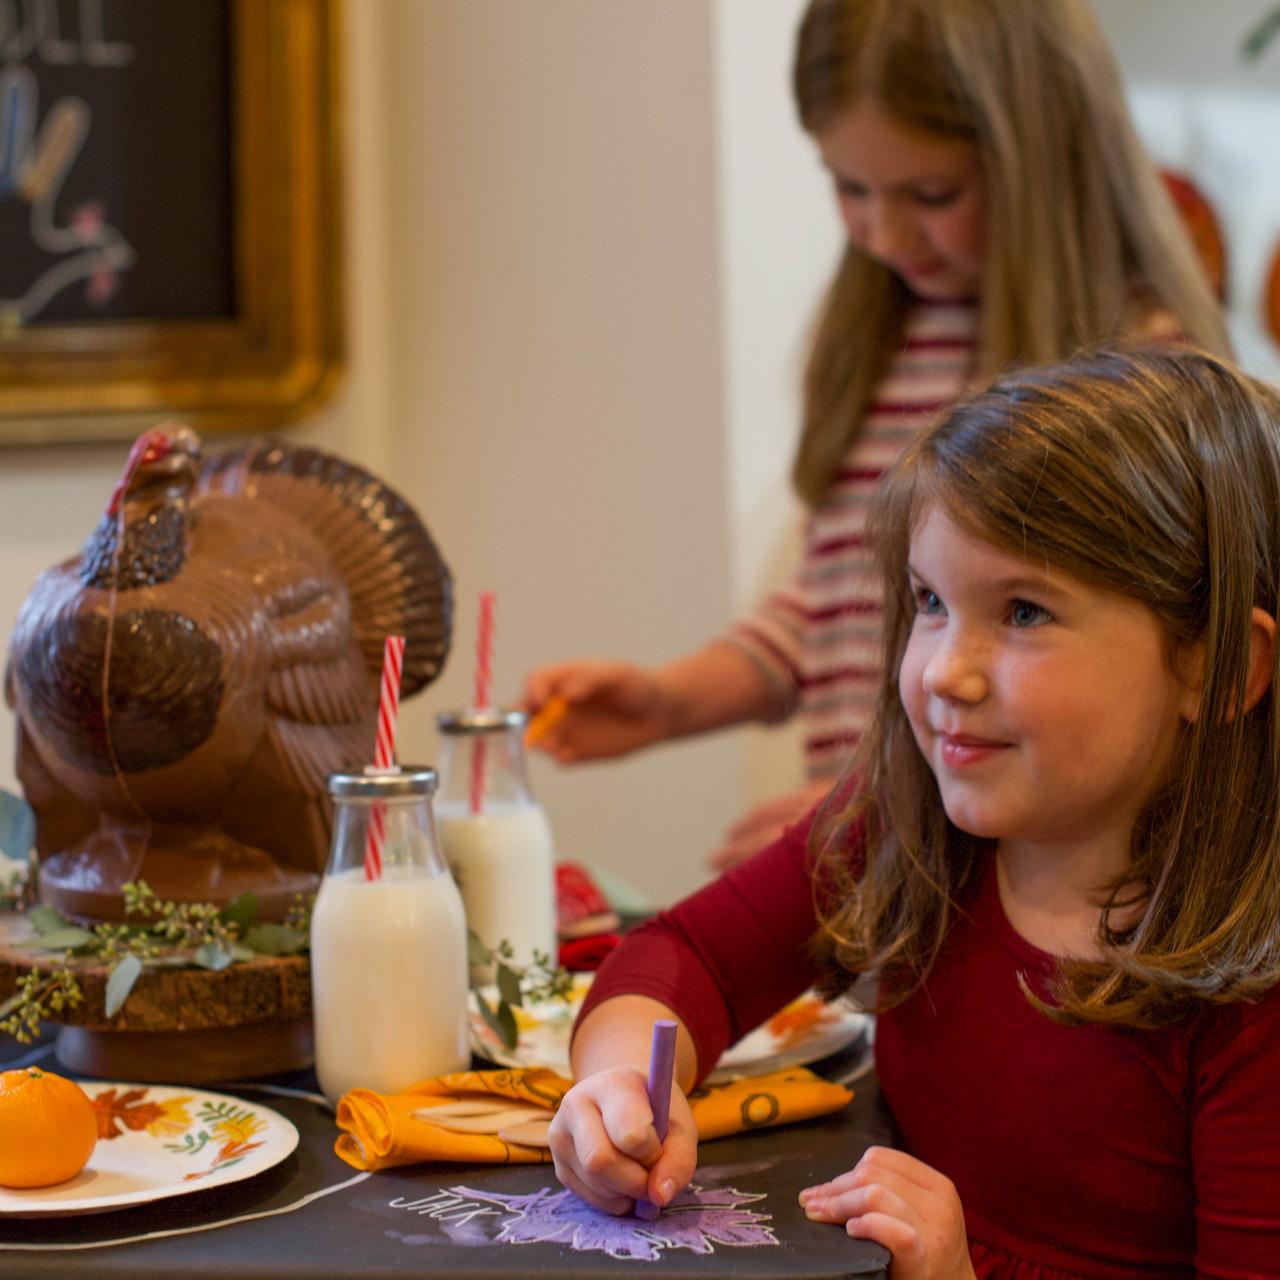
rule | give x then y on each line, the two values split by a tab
499	1117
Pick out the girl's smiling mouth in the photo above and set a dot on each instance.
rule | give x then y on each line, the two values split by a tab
961	749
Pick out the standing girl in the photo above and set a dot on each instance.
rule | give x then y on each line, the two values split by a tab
999	208
1059	857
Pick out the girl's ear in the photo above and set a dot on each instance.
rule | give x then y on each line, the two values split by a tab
1262	657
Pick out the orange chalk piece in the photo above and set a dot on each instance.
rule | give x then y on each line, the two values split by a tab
553	711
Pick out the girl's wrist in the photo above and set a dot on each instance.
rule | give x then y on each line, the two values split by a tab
673	710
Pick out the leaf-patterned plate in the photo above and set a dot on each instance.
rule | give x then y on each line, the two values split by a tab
807	1030
156	1141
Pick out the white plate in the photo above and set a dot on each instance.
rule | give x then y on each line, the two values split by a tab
156	1141
805	1031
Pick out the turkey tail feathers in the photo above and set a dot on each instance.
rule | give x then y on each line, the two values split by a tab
398	581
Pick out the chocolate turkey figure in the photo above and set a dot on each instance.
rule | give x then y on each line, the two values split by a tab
186	684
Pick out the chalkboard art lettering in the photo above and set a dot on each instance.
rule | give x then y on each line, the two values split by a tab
32	172
170	215
102	114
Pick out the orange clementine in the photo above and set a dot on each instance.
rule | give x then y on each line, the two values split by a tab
48	1128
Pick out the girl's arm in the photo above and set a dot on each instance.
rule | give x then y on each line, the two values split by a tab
718	963
617	707
618	1034
1233	1067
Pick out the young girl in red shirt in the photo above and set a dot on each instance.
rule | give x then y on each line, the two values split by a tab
1056	857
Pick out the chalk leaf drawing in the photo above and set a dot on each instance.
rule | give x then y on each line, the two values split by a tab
696	1220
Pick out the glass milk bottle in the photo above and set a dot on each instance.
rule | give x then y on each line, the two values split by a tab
494	833
388	951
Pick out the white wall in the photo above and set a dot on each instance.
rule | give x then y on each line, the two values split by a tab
558	414
779	241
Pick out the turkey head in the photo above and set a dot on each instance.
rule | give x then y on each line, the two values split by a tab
187	683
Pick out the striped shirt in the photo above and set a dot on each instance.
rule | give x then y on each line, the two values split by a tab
818	637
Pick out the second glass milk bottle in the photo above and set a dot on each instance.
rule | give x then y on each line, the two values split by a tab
494	834
388	941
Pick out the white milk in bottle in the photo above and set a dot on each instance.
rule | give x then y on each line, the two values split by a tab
388	946
494	834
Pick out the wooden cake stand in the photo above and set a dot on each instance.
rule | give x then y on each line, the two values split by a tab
178	1026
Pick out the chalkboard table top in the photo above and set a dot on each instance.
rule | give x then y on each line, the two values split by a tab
314	1216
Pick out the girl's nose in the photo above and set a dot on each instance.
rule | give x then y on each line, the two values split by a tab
955	674
885	234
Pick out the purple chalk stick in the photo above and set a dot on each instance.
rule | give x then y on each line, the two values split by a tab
662	1061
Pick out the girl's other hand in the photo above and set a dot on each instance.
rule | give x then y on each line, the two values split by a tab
613	708
764	824
607	1151
902	1204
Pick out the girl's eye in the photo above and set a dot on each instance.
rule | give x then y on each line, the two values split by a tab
1022	613
849	190
936	199
928	602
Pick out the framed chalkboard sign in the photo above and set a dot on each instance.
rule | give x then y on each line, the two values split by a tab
169	214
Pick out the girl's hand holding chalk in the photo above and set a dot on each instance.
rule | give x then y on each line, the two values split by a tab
606	1150
593	710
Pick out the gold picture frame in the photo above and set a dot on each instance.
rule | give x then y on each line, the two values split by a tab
279	353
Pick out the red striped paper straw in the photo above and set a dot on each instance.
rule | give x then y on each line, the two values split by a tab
384	747
375	838
483	694
384	750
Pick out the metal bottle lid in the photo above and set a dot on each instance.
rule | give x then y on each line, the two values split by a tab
473	721
385	784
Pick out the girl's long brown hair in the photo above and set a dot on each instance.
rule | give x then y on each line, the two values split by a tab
1082	238
1155	475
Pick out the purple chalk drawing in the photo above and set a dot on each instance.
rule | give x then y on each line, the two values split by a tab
696	1220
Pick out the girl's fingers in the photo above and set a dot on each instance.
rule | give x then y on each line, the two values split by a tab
543	684
573	681
594	1158
605	1201
876	1161
900	1238
856	1202
844	1182
587	681
899	1163
628	1122
673	1170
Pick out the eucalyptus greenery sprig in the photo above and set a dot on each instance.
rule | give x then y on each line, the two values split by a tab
17	844
13	890
539	981
158	935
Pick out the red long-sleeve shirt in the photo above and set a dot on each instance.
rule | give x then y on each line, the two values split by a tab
1077	1151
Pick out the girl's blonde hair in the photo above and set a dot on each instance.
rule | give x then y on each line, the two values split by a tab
1155	475
1083	242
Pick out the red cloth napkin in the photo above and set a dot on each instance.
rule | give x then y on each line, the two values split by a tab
582	954
587	924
